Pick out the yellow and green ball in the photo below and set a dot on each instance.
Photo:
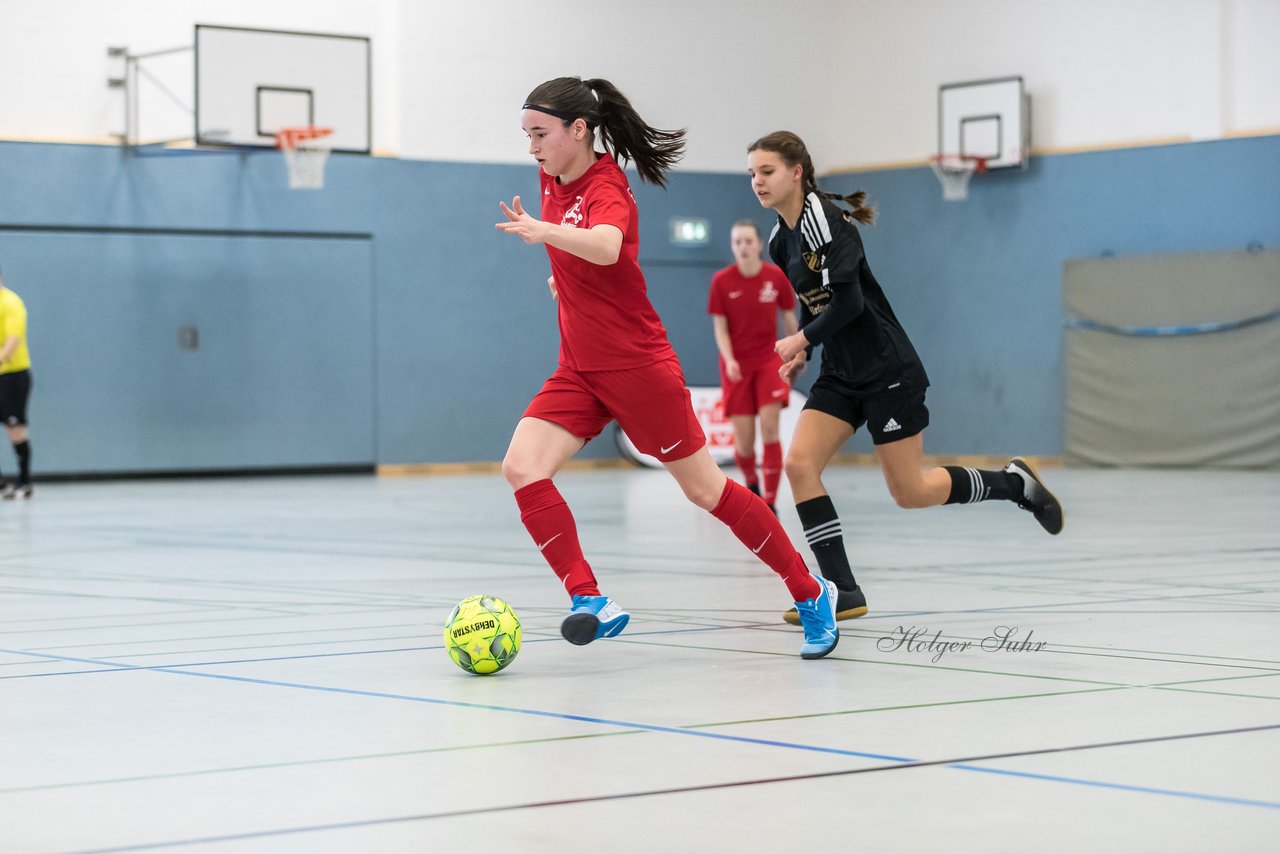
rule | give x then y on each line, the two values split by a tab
482	634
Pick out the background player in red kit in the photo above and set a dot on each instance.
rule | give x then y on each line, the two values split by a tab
745	302
615	359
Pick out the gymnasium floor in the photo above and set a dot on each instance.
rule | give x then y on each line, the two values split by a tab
256	666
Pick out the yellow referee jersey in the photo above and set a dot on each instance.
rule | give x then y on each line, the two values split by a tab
13	322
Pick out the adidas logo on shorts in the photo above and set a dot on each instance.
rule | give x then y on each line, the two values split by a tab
891	426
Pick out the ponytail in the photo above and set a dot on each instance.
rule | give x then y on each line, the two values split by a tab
622	132
793	152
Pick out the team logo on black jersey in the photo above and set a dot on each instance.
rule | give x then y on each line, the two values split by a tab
817	300
812	260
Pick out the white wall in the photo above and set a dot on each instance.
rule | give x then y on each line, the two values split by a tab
857	78
1100	72
54	65
682	64
1253	77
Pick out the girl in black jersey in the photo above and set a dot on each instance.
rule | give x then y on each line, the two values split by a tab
870	372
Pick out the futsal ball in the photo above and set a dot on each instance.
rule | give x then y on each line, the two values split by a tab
482	635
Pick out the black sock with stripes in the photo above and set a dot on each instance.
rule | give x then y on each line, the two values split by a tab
822	530
971	485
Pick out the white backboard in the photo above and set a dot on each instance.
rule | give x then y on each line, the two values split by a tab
985	118
252	83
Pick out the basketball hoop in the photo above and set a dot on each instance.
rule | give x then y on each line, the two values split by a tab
305	149
954	171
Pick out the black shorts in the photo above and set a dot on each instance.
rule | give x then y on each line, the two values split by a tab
889	415
15	388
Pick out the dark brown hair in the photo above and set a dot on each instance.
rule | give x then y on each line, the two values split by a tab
622	132
747	223
792	150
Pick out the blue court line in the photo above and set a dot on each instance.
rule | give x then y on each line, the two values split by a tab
1146	790
902	760
468	705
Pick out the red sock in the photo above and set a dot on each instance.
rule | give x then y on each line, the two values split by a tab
748	466
771	471
550	523
759	530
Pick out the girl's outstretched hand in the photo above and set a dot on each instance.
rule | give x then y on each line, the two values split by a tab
519	222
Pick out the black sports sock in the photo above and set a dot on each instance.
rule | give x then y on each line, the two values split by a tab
970	485
822	530
23	450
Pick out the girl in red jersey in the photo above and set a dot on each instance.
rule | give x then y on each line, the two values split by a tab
745	301
615	360
871	373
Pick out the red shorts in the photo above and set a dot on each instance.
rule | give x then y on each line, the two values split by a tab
651	404
758	388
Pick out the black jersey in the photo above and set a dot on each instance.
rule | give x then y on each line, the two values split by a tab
841	305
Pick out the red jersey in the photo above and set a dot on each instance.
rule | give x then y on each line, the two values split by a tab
606	320
751	304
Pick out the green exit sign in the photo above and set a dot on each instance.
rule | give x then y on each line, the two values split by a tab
690	232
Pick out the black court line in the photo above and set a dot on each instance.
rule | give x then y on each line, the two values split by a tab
185	638
356	758
48	228
211	619
133	668
289	609
296	590
1079	608
983	569
1265	665
632	638
964	763
272	609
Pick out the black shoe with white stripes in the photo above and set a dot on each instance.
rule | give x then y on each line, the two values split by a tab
850	604
1036	497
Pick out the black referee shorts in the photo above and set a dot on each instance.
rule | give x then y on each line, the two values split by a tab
889	415
15	388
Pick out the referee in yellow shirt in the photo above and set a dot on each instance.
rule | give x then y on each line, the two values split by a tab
15	388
